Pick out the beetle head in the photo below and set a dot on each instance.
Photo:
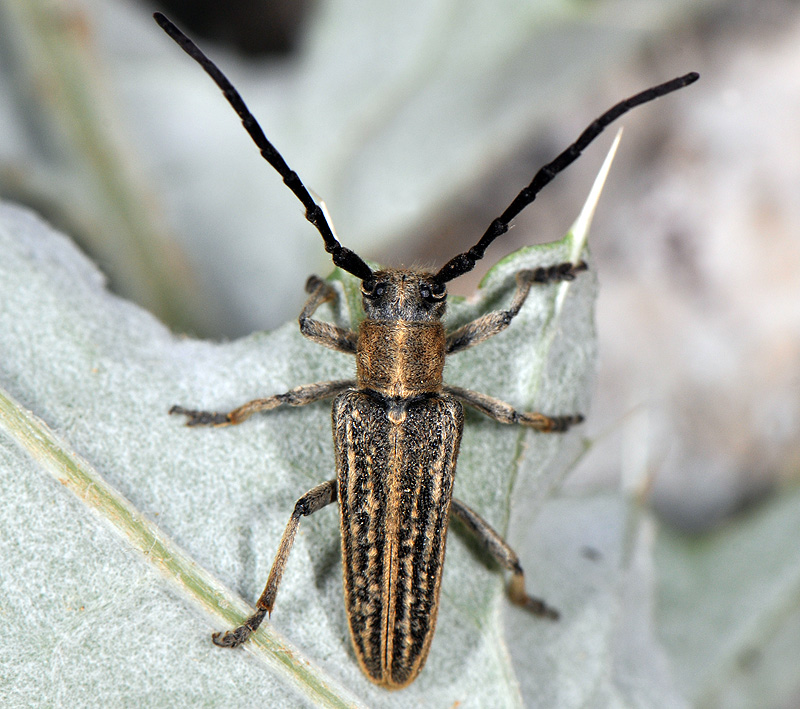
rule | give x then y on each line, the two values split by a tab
396	294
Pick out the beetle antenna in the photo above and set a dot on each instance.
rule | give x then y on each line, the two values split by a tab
465	262
342	256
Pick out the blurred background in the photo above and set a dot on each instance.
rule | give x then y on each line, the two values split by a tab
417	123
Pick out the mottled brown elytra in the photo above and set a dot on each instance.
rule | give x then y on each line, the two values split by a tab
396	426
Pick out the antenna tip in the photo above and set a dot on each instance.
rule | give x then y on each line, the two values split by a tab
163	21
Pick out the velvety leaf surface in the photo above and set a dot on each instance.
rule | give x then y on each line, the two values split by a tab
99	593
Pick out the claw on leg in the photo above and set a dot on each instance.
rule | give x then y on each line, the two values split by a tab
202	418
235	637
519	597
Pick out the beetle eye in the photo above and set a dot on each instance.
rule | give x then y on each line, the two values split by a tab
433	291
372	289
368	286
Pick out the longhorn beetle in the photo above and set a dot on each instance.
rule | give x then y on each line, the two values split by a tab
396	426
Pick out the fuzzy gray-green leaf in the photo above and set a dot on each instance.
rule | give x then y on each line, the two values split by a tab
102	374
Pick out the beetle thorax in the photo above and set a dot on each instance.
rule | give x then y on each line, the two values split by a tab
400	358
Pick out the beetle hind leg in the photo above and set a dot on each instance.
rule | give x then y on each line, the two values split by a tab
235	637
520	597
315	499
505	556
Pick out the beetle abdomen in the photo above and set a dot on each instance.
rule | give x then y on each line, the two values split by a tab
395	465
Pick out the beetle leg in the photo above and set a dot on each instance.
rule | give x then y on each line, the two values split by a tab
505	413
488	325
324	333
315	499
299	396
504	555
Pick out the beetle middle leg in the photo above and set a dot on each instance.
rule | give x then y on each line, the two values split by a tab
504	555
505	413
315	499
488	325
299	396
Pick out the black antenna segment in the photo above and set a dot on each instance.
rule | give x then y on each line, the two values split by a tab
342	256
465	262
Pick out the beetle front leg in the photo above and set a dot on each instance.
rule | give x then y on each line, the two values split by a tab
505	413
315	499
488	325
299	396
505	556
324	333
